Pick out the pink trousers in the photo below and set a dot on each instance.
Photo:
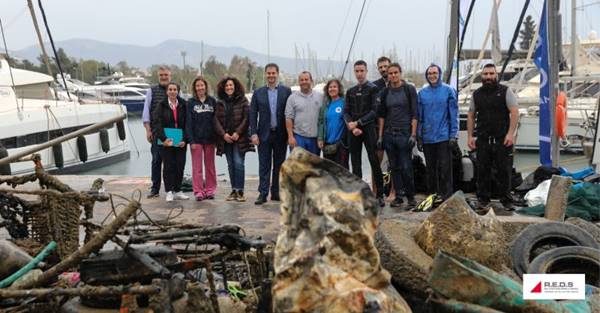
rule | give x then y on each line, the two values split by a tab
203	155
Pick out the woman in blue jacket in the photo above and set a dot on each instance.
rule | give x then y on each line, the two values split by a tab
331	134
200	130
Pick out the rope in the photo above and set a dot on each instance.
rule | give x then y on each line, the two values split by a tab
353	39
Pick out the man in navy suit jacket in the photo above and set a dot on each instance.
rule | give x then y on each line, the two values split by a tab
267	130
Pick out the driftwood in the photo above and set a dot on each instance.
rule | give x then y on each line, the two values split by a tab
558	194
93	245
88	291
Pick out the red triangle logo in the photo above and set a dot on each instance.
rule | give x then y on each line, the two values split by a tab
537	288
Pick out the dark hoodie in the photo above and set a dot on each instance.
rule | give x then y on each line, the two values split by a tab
437	111
200	120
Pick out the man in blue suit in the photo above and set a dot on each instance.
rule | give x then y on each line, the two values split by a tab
267	130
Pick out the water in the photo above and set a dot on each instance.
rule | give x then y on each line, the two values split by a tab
139	163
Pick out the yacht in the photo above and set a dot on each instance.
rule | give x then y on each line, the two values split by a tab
33	113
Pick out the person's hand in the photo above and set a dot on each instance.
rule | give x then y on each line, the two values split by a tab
292	141
352	126
453	142
356	132
471	143
181	144
420	144
320	143
235	137
508	140
149	136
255	140
168	142
412	141
380	143
194	146
227	138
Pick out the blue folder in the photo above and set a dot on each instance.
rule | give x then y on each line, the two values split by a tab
176	134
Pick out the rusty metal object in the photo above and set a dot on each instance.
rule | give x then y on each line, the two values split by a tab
12	258
96	291
211	284
558	194
93	245
325	257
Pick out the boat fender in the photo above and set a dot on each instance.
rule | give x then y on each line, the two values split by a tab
561	115
121	130
104	141
4	169
82	148
59	160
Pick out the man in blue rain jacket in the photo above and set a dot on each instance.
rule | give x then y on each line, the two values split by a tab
437	130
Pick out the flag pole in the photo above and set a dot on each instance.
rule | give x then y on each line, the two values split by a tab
554	55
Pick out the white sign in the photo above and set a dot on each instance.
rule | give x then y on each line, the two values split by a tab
554	286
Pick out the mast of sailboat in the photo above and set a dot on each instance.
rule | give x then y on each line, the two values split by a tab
553	59
12	78
573	37
41	41
452	36
268	37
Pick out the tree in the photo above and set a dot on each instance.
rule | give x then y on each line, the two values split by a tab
527	33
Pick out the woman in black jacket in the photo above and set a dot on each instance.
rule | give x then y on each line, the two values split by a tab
201	135
168	117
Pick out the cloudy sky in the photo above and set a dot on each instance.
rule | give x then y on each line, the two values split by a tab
420	26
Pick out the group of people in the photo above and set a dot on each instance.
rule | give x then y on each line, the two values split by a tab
387	115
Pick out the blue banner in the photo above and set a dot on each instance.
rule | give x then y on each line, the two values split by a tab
541	61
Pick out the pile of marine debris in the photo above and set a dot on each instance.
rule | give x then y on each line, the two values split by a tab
147	265
455	260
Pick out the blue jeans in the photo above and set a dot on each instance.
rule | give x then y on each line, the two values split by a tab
399	153
308	143
235	165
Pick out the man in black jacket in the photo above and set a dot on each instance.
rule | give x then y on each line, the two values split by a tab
359	115
268	132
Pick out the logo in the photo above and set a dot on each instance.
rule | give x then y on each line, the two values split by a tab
338	110
554	286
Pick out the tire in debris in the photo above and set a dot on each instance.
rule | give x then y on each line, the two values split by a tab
569	260
537	238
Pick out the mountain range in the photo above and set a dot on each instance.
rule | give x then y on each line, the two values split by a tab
169	52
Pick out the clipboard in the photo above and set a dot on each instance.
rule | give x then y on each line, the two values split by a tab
176	134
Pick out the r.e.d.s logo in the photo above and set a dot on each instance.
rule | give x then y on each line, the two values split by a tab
554	286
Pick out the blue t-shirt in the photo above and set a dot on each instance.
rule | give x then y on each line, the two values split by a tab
335	121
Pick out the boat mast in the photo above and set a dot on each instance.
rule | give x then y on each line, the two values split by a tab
553	56
573	37
452	36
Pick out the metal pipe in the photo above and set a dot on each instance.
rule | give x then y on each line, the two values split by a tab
573	37
83	131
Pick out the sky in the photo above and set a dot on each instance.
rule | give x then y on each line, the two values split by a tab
417	26
588	19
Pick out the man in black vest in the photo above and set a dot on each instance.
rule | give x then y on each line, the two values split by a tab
154	96
493	114
268	132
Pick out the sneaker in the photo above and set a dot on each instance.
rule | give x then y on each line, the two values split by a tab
181	196
232	196
240	196
210	197
199	198
381	202
170	197
411	201
508	206
260	200
396	203
275	197
152	194
482	203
